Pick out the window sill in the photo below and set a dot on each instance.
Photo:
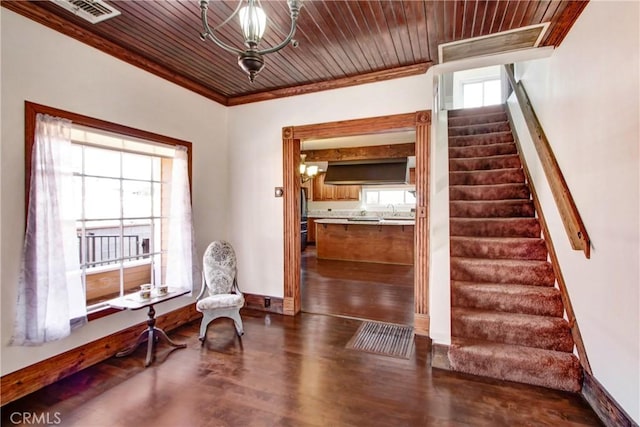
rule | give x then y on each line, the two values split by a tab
104	312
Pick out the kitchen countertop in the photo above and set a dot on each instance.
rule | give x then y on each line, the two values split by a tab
367	221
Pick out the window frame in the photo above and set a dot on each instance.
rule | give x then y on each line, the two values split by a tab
404	188
482	81
31	111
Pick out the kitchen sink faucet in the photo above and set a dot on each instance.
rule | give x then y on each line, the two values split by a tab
393	209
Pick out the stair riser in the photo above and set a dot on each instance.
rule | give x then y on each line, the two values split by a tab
491	209
482	192
484	163
520	227
485	139
479	129
480	111
476	120
539	305
555	336
540	274
560	374
493	177
469	248
482	150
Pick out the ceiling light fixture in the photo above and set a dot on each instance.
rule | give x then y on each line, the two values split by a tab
253	22
307	172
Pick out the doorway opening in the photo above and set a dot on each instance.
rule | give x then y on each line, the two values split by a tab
419	123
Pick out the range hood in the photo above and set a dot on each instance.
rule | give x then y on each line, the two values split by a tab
368	172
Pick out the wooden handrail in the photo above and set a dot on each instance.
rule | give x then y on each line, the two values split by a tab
568	211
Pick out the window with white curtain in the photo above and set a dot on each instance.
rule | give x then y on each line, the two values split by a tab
109	209
121	210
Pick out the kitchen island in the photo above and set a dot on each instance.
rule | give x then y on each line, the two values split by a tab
366	239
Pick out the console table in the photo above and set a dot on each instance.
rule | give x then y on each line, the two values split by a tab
152	333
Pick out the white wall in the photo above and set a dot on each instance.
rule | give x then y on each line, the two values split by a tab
255	144
586	97
43	66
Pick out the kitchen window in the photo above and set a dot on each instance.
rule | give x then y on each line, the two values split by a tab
382	197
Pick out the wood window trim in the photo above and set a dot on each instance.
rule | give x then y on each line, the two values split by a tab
32	110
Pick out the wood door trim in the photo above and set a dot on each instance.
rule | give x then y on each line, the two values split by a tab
419	121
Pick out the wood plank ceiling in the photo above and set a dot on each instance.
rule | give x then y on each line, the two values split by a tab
341	43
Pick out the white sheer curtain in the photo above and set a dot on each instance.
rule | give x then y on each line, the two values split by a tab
181	270
51	297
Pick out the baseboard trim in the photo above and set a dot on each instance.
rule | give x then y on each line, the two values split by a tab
605	406
34	377
421	323
440	356
257	302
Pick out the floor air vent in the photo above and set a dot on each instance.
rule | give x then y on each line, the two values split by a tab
93	11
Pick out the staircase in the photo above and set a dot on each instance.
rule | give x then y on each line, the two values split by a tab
506	314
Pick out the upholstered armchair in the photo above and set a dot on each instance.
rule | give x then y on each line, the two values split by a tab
220	295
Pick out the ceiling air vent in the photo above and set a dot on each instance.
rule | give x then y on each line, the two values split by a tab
93	11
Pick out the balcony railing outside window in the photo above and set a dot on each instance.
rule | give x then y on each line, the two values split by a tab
105	249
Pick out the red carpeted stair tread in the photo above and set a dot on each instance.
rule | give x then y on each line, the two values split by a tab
481	118
551	333
546	368
498	247
523	272
479	111
479	128
491	208
506	161
482	139
482	150
536	300
488	177
506	314
494	227
489	192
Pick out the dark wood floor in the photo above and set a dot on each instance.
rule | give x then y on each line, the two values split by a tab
362	290
290	371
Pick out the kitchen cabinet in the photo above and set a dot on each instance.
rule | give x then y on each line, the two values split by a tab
311	230
412	175
388	242
326	192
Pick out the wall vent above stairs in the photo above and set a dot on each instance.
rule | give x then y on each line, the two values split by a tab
93	11
505	41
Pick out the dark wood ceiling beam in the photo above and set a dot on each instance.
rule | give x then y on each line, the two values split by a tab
564	22
48	19
389	151
376	76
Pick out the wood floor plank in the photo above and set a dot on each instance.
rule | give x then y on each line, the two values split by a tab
363	290
290	371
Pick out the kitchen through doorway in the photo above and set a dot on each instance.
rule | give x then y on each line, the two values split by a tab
292	139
